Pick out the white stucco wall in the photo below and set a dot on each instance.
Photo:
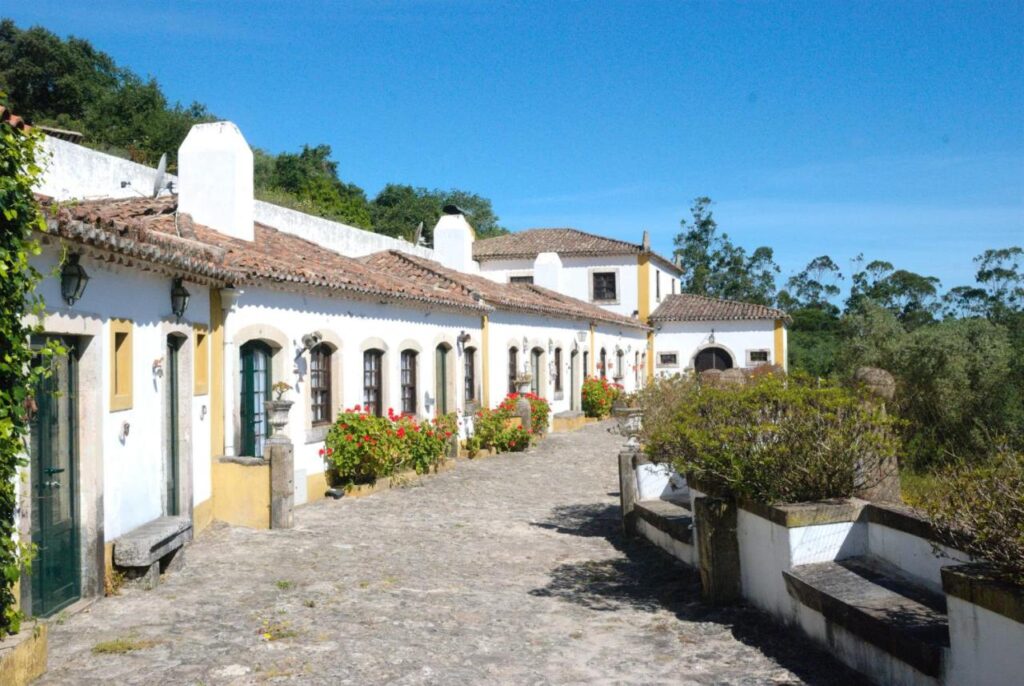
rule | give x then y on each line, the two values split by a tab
74	171
341	238
133	469
985	647
686	339
918	557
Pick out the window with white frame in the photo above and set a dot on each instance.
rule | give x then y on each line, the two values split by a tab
604	286
670	359
756	357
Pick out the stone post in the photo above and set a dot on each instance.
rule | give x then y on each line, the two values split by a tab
628	489
878	479
280	453
522	404
718	549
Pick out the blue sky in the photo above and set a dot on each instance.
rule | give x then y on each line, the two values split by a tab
893	129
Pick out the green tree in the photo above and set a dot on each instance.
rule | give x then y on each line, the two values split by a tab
814	334
399	209
912	297
713	266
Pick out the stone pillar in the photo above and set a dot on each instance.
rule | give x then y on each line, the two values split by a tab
718	549
522	404
628	489
877	479
280	453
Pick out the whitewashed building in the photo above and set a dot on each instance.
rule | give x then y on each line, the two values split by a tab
696	333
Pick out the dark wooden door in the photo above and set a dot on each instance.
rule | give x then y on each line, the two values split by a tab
173	449
255	390
55	571
712	358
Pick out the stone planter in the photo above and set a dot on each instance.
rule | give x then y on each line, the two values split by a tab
277	413
630	421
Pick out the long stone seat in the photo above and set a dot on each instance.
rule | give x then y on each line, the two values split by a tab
671	516
153	547
870	599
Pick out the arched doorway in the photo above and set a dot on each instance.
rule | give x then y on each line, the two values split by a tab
712	358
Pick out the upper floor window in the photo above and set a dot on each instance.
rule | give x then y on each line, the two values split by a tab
657	286
320	384
408	382
604	286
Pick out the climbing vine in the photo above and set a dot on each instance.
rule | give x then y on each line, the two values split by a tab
19	216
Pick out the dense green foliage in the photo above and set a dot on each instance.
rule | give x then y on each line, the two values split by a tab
69	84
19	216
361	447
495	429
773	440
980	510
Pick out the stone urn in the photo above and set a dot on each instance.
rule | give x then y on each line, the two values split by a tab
277	413
630	421
523	384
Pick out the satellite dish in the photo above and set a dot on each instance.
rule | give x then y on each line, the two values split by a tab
161	171
419	235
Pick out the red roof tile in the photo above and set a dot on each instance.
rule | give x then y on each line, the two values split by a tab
8	117
684	307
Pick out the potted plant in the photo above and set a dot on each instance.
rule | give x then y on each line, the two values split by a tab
277	409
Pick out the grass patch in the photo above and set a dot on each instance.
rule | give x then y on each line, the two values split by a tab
120	646
919	488
284	584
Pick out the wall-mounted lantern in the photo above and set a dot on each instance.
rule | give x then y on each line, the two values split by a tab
72	279
179	299
711	338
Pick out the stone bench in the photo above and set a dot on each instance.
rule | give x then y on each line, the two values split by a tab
153	548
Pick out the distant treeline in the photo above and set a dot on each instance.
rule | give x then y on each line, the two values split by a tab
69	84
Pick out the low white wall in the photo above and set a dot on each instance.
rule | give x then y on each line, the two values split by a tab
686	339
683	552
659	481
985	647
342	238
919	557
74	171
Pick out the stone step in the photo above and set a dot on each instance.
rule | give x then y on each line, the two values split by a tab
877	603
671	516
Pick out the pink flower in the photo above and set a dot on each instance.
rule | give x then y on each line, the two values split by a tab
401	432
349	438
357	408
322	452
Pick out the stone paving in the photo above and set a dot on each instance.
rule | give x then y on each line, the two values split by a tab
507	570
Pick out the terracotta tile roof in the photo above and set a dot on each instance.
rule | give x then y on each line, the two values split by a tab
502	296
683	307
566	242
8	117
150	230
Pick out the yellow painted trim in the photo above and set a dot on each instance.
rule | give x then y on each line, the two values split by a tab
23	656
643	287
316	485
201	360
242	494
216	376
121	378
593	351
780	352
202	516
485	359
650	356
108	568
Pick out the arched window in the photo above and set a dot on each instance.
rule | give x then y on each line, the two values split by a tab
558	370
441	378
513	368
255	382
620	372
373	386
602	363
408	382
586	363
469	374
712	358
320	384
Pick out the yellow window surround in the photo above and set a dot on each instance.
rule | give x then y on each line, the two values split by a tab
120	364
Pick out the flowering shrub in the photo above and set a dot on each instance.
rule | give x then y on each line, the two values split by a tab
598	396
361	447
540	411
494	428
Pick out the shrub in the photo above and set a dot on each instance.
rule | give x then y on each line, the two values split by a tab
540	411
361	447
980	510
774	440
494	428
598	396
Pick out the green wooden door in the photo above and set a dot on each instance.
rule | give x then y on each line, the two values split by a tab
441	379
55	576
172	450
254	358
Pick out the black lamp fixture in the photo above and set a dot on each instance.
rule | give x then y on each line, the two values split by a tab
72	279
179	299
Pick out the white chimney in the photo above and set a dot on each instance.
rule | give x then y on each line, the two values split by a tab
453	241
547	271
215	179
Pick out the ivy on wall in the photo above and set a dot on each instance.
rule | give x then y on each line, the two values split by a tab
19	216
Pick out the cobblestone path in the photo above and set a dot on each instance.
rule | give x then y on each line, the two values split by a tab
508	570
